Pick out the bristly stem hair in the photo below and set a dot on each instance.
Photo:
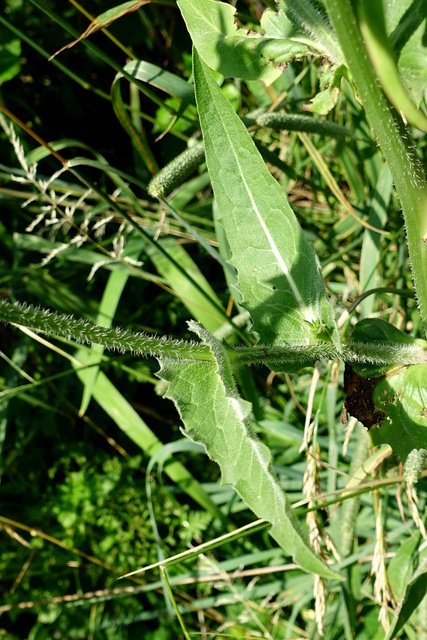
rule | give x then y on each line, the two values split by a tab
122	340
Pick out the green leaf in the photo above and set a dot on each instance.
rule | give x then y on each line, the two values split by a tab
235	52
405	165
10	56
373	29
277	25
405	21
278	275
401	566
208	390
301	21
104	20
326	99
138	136
126	418
414	594
107	309
195	292
403	397
372	330
370	257
157	77
318	33
83	256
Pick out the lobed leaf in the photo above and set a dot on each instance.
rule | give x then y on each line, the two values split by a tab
315	26
215	417
236	52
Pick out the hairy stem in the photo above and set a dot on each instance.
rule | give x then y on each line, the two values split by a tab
307	16
393	138
84	331
380	353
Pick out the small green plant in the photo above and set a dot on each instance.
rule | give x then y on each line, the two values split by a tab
273	269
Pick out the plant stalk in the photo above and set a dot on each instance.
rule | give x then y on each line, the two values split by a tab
84	331
394	141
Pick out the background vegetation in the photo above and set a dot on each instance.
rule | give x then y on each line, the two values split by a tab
96	478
